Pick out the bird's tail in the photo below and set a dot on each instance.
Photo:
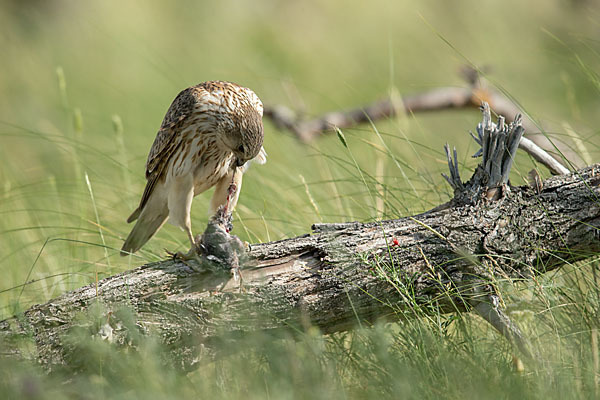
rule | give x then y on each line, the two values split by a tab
150	219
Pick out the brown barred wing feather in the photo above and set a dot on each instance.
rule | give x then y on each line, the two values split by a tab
180	109
166	143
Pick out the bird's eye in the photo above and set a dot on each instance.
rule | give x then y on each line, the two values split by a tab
241	148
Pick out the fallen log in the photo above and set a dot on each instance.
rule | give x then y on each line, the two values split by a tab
448	259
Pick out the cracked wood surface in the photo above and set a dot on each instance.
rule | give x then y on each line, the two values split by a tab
330	278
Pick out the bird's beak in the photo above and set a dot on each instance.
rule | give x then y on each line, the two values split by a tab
239	162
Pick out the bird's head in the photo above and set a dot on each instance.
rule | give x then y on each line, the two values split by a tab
249	137
244	135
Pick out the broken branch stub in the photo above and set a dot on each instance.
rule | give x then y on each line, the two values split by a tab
499	143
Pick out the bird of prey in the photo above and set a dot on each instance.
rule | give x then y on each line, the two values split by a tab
210	133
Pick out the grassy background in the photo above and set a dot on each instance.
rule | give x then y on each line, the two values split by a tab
85	85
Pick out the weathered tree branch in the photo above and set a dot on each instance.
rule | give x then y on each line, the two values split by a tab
449	258
443	98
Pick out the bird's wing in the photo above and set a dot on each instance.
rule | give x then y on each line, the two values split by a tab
155	169
180	109
161	149
167	140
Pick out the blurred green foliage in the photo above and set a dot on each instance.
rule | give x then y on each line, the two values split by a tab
84	86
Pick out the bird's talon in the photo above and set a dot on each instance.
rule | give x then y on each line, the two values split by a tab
171	254
192	254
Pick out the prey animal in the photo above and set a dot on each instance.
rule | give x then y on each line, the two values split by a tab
207	138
